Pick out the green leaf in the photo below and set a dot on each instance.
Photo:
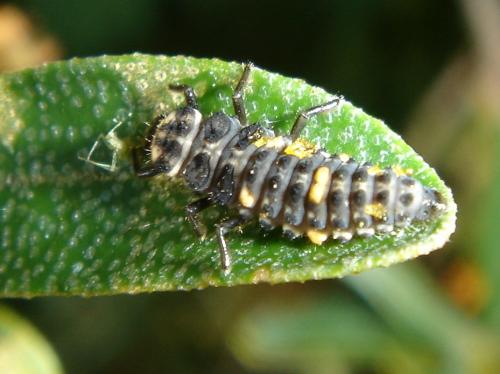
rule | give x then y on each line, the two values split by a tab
23	349
68	227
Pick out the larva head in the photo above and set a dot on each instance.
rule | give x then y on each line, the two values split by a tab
173	137
432	205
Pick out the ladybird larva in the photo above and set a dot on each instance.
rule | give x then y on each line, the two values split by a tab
282	180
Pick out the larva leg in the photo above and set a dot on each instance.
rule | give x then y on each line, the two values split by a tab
189	94
303	117
192	211
222	229
239	106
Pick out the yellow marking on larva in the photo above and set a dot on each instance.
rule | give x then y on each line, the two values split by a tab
155	152
246	198
317	236
269	141
376	210
375	170
400	172
319	187
301	148
262	141
264	216
344	157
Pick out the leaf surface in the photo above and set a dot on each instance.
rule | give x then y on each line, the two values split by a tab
68	227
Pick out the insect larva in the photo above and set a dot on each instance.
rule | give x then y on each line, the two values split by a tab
283	180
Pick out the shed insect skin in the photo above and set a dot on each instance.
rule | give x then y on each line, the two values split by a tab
283	180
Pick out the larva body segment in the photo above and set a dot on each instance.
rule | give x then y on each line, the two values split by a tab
282	180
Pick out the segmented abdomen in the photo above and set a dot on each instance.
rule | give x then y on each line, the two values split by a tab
323	195
285	183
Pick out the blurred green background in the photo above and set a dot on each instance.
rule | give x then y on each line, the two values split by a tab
430	69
